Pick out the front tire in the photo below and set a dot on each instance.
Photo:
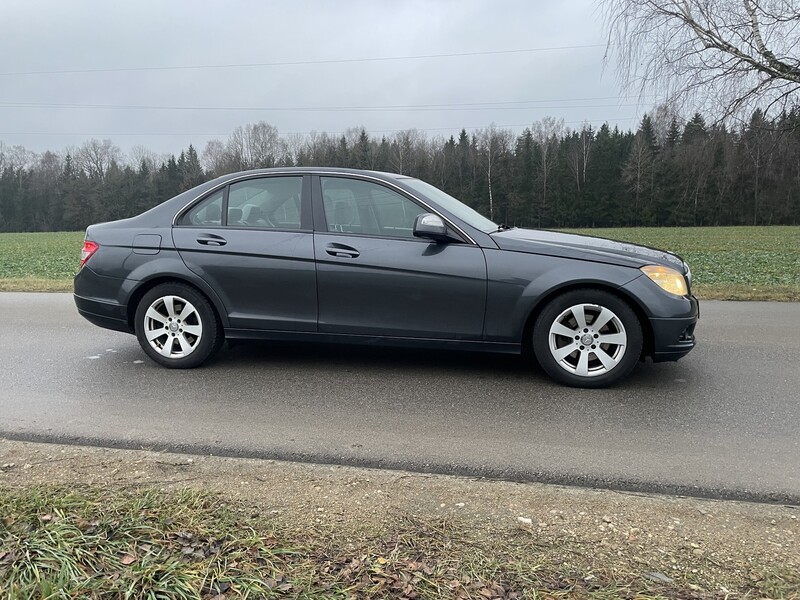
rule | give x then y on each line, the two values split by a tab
587	338
177	327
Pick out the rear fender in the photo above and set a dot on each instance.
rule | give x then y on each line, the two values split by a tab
146	273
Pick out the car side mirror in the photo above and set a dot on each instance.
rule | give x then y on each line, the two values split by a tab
432	227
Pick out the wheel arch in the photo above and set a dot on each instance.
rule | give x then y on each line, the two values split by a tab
148	284
644	321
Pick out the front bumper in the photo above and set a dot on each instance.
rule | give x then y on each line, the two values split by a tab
672	319
672	338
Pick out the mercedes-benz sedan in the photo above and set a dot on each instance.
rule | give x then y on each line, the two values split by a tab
339	255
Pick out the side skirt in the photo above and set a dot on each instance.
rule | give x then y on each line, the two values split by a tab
371	340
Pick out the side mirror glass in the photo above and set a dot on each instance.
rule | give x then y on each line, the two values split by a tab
432	227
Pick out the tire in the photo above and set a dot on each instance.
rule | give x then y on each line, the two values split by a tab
567	322
177	327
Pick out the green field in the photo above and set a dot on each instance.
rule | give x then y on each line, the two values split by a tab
39	261
728	263
731	263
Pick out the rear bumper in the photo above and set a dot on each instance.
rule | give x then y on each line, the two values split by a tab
96	298
674	338
103	314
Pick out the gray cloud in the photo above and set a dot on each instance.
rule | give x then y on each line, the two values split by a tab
57	35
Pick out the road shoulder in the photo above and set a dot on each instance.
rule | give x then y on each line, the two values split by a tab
652	544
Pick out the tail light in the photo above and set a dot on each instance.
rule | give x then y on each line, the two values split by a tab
89	248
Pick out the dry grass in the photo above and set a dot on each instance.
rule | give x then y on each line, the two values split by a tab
90	542
35	284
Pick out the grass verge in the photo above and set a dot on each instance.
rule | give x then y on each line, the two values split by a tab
35	284
88	542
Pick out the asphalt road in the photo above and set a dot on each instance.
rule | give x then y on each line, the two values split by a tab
723	422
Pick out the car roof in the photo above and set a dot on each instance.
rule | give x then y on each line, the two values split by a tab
313	170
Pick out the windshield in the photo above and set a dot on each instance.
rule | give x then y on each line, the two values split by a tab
455	207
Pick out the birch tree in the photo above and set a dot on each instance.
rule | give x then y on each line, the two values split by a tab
714	55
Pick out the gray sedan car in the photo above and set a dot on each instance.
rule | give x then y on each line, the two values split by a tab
338	255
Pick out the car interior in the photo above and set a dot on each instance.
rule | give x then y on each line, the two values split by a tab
364	208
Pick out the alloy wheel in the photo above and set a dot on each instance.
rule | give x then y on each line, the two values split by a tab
173	326
587	340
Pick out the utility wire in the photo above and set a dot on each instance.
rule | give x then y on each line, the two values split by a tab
180	133
386	108
301	62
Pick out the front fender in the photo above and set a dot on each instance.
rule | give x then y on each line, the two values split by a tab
518	282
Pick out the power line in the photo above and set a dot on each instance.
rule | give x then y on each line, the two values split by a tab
181	133
303	62
505	105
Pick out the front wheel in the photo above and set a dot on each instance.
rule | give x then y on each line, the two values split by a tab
587	338
177	327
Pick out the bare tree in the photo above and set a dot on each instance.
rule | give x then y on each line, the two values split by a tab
547	135
256	145
638	172
579	146
215	158
728	55
16	159
441	158
402	149
759	144
492	143
94	157
295	144
140	155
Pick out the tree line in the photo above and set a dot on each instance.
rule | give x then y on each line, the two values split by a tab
665	173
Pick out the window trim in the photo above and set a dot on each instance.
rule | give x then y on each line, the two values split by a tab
306	208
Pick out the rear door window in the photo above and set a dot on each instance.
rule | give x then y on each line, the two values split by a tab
206	213
269	202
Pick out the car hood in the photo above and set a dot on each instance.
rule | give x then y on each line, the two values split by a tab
584	247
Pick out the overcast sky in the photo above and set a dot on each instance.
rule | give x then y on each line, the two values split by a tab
56	35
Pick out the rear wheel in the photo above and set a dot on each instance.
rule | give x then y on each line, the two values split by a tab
587	338
177	327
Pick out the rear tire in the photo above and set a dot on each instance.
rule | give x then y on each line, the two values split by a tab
587	338
177	327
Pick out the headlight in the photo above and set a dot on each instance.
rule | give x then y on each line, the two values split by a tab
667	279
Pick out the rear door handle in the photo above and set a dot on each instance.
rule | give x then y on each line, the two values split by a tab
209	239
342	251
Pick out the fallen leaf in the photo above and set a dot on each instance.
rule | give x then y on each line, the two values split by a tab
656	576
128	559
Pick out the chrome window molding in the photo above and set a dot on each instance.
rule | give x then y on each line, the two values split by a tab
324	174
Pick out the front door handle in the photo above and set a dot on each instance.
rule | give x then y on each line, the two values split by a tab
209	239
342	251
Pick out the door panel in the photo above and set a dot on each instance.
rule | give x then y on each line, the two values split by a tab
266	279
399	287
240	241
